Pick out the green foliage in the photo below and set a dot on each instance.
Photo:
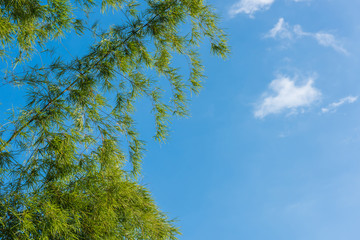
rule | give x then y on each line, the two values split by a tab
63	166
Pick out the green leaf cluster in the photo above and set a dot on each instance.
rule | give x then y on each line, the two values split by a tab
70	160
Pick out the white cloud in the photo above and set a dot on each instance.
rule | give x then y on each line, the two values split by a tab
333	106
328	40
287	96
297	29
250	6
282	30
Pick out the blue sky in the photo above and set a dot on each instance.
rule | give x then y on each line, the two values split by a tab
271	150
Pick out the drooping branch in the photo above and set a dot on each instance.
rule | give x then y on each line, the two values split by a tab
81	72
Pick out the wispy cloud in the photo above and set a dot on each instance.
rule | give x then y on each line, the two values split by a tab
285	95
328	40
249	6
334	106
282	30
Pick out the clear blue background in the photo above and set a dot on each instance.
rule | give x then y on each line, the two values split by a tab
227	175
